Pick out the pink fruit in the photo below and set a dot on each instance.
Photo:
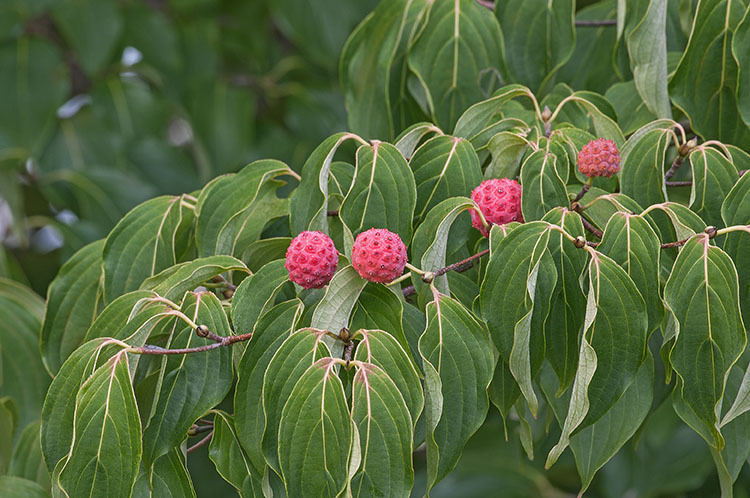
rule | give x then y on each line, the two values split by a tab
500	203
379	255
599	157
311	259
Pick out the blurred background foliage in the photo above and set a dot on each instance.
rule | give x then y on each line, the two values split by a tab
106	103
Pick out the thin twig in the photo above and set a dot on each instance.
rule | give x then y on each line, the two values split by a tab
679	184
594	24
590	227
677	243
225	341
199	429
675	166
201	442
332	212
461	266
584	189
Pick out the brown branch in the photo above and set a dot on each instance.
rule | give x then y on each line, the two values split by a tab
332	212
590	227
677	243
584	189
200	443
224	341
461	266
679	184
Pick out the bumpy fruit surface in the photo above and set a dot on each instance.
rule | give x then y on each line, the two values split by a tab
311	259
599	157
379	255
500	202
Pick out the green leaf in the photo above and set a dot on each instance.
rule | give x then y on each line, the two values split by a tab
632	112
185	390
539	37
378	307
458	362
613	347
543	187
385	430
91	28
373	68
713	177
383	193
298	352
684	222
647	46
595	445
262	252
482	115
631	242
59	409
315	433
8	423
27	460
124	316
145	242
256	294
507	149
232	209
736	211
106	447
411	137
382	349
72	301
431	240
443	167
169	478
701	293
36	82
17	487
175	281
459	50
703	86
740	49
227	454
643	157
603	116
333	311
309	201
273	328
562	329
22	311
520	279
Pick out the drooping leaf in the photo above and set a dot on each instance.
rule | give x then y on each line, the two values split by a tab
175	281
543	189
256	294
613	347
736	211
18	487
145	242
27	461
169	479
380	308
385	430
185	390
481	116
701	293
457	58
642	167
273	328
713	177
263	251
539	38
106	450
740	49
72	300
383	193
507	149
409	139
458	364
230	459
315	433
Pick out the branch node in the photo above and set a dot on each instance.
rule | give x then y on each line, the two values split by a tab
710	231
580	242
202	331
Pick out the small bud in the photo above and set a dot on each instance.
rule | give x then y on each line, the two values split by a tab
428	277
576	207
345	334
580	242
228	293
687	147
201	330
710	231
546	114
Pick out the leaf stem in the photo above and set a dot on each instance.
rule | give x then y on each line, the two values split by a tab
734	228
202	442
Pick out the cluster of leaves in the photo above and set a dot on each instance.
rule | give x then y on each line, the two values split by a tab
585	327
107	103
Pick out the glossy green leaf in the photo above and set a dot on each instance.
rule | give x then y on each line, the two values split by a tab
184	389
613	347
713	177
373	68
409	139
263	251
145	242
22	311
385	430
736	211
632	112
482	115
443	167
123	317
458	362
520	280
256	294
383	193
175	281
273	328
683	221
647	45
315	433
642	167
309	201
378	307
701	293
431	240
27	460
562	330
106	447
233	209
703	86
543	189
740	49
539	39
457	58
298	352
631	242
228	456
507	149
72	301
169	478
